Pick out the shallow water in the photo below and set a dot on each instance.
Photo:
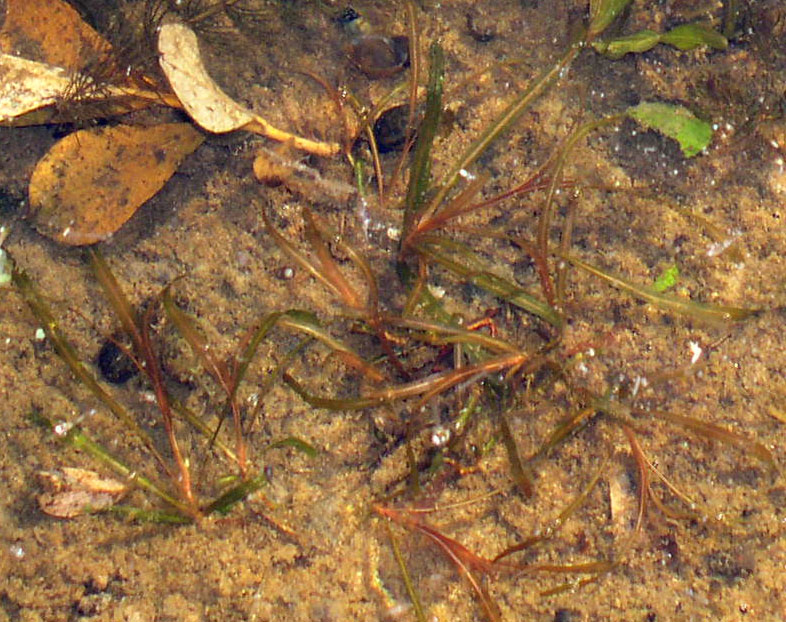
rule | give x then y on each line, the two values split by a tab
642	207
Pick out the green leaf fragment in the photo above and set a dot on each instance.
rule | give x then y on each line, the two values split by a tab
684	37
298	444
691	36
604	12
6	264
635	43
676	122
238	493
667	279
149	516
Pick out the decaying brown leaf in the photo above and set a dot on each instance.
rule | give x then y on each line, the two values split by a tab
204	100
73	492
49	31
91	182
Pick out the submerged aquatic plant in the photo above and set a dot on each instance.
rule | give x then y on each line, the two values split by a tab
184	500
444	382
474	375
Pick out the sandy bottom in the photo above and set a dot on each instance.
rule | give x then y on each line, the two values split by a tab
310	546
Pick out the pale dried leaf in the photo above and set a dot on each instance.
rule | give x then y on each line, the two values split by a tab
72	492
91	182
29	91
201	97
622	502
27	85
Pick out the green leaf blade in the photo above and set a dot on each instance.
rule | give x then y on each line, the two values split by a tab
691	36
420	175
677	122
631	44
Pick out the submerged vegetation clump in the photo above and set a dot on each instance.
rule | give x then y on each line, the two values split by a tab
182	500
470	342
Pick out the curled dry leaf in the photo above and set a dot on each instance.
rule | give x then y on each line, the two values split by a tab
204	100
73	492
91	182
49	31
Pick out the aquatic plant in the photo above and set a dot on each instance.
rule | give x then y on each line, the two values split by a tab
183	503
493	374
446	384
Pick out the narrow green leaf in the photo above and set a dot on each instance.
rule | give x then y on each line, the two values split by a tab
700	311
564	429
635	43
500	125
188	330
520	472
327	403
683	37
267	322
420	172
676	122
296	443
691	36
79	440
204	429
70	357
440	334
425	387
114	293
235	494
717	433
409	584
307	323
149	516
465	264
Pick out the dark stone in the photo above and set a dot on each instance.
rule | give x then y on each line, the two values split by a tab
114	364
390	130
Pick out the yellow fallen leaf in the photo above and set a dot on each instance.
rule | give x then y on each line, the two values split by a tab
50	31
45	50
91	182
